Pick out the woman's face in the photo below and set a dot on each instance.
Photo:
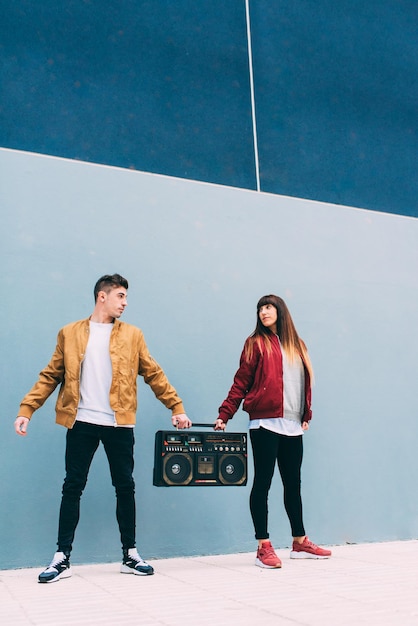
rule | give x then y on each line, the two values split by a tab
268	317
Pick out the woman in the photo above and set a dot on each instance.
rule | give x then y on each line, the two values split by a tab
274	380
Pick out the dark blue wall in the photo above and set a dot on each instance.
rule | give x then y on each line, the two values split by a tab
164	86
337	100
159	86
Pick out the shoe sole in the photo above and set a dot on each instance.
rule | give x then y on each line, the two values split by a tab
65	574
259	563
124	569
307	555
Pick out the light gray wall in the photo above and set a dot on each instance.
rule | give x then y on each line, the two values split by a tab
198	257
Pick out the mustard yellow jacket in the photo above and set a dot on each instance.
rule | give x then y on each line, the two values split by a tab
130	358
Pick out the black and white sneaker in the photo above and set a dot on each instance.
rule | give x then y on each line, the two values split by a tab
134	564
58	568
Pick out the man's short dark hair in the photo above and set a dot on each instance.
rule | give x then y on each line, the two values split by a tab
108	282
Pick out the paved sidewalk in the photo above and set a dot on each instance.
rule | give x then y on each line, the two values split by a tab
361	584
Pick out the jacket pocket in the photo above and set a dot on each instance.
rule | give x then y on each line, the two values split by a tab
68	396
127	395
255	400
265	400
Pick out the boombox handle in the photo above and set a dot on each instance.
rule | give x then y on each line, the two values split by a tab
202	425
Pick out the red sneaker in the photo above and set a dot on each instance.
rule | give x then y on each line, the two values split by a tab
266	556
308	550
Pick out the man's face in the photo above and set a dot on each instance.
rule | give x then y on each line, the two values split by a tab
114	301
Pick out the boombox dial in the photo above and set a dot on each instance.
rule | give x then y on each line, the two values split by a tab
200	459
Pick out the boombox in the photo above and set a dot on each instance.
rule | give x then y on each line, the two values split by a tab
200	459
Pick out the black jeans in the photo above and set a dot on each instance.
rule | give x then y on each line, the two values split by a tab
269	448
82	442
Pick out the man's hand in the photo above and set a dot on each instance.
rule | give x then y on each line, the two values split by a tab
181	421
21	425
219	425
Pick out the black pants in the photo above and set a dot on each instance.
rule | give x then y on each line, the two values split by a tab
82	442
269	448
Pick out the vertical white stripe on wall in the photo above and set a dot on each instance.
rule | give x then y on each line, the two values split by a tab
250	65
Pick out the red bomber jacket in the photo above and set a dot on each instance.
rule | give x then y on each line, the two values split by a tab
259	383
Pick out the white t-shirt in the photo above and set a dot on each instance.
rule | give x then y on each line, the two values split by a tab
96	378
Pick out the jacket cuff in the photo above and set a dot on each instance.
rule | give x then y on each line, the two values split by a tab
26	411
179	408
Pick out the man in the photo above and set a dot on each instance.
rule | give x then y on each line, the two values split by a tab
96	362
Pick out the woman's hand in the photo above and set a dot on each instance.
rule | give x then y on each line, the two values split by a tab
305	425
219	425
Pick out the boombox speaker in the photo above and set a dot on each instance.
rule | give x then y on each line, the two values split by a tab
200	459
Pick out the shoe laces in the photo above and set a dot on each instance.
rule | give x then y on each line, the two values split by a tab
267	550
58	558
134	556
308	544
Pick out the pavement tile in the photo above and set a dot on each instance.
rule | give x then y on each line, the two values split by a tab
361	584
